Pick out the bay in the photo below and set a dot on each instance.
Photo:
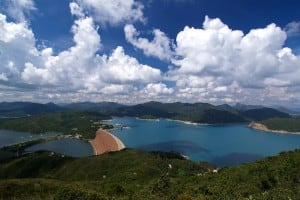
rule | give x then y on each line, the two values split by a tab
222	145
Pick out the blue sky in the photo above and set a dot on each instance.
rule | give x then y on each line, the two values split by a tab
133	51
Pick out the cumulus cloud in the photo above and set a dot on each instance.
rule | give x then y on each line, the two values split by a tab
160	46
293	28
79	69
15	39
18	9
121	68
212	63
254	60
157	89
114	12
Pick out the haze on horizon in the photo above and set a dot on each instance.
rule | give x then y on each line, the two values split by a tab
132	51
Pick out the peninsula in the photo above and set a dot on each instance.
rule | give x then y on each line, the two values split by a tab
263	127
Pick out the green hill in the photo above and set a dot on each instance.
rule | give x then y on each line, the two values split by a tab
83	122
259	114
21	109
101	106
194	112
132	174
197	112
286	124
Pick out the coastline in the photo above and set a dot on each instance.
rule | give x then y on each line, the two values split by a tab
145	119
105	142
187	122
264	128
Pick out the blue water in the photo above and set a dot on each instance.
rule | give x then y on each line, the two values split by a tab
13	137
222	145
67	146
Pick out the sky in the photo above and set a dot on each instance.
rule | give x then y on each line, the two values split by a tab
134	51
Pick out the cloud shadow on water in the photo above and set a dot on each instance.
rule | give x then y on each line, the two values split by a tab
235	158
180	146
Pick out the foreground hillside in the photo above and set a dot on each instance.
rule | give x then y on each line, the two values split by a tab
132	174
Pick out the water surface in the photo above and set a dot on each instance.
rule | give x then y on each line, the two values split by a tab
67	146
223	145
8	137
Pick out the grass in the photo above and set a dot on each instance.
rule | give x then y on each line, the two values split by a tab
133	174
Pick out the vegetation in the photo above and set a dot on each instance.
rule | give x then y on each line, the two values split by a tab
197	112
286	124
72	122
132	174
21	109
259	114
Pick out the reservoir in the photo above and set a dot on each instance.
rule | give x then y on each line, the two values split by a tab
13	137
67	146
222	145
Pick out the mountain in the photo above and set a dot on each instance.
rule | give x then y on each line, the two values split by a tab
196	112
244	107
227	108
93	106
287	110
263	114
20	109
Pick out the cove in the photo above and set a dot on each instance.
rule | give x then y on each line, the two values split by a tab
222	145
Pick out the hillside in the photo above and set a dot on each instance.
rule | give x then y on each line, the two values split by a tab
286	124
132	174
259	114
84	123
101	106
21	109
197	112
194	112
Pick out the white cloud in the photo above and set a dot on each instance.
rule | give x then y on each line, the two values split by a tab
3	77
292	28
79	69
123	69
114	12
228	55
157	89
76	10
210	64
18	9
15	39
160	46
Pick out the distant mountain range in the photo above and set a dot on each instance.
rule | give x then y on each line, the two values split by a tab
194	112
21	109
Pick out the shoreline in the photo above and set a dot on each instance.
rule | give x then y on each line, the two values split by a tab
261	127
105	142
187	122
145	119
